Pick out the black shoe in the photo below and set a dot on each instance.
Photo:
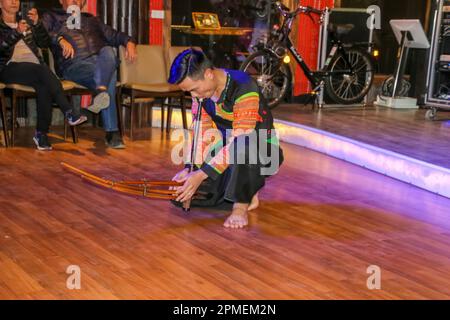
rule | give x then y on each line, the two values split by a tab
114	140
41	141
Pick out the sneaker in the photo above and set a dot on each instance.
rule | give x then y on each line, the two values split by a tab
41	141
75	120
101	101
114	140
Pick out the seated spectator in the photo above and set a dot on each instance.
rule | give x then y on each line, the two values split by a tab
21	63
86	56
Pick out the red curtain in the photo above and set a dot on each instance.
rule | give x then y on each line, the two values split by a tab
91	6
308	43
156	24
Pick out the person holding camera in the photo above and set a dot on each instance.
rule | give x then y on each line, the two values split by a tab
22	63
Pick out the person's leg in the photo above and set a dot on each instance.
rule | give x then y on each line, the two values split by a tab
106	77
254	203
244	183
53	85
109	117
106	66
31	74
236	187
38	77
83	73
245	179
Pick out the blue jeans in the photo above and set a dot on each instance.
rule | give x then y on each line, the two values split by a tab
95	71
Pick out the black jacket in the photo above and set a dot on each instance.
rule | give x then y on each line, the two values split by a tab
87	41
38	38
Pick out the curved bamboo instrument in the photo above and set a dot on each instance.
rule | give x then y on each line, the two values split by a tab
148	189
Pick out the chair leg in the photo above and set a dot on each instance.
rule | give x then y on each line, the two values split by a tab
162	115
119	110
95	116
69	98
66	125
131	116
139	115
65	129
3	116
150	114
13	119
74	132
183	113
169	117
95	120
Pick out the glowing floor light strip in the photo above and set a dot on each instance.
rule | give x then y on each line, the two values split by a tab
419	173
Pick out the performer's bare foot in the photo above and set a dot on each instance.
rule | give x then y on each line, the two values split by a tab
239	216
254	204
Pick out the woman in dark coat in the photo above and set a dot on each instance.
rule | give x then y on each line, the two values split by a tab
22	63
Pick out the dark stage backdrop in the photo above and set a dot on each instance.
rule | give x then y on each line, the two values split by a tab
385	39
46	4
129	16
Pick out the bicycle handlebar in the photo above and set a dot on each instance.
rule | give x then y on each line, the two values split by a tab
281	7
286	11
312	10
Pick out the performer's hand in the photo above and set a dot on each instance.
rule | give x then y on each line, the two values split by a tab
68	51
180	177
131	53
22	26
190	186
33	16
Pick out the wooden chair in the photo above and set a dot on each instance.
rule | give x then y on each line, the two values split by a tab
25	92
79	90
147	78
172	54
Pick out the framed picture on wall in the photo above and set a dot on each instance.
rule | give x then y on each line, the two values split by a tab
205	20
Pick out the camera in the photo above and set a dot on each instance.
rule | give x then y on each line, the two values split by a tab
22	14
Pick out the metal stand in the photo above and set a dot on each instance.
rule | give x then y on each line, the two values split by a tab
439	24
402	29
401	63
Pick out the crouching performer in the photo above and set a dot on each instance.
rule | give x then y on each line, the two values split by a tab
237	147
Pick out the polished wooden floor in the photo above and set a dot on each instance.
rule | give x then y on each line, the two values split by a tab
322	222
402	131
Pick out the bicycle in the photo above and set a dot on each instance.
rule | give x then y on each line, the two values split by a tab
346	76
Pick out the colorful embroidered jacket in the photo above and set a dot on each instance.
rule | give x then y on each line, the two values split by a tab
240	107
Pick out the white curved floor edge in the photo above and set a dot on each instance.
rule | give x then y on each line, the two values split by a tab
416	172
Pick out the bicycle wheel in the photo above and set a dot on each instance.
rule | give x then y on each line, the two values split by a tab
271	74
348	88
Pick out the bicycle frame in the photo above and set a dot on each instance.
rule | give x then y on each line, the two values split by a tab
314	77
